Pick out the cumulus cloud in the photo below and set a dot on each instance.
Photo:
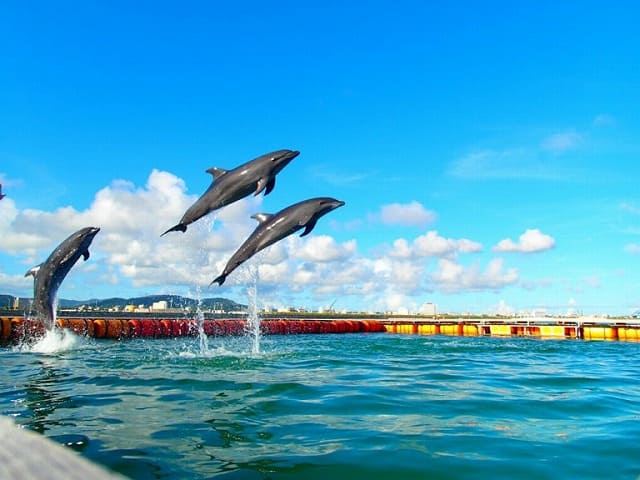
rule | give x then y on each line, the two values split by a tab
129	253
532	240
323	248
451	276
502	309
561	142
433	245
410	214
632	248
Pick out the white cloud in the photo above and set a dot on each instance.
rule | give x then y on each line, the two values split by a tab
410	214
433	245
490	164
532	240
604	120
452	277
561	142
632	208
129	253
632	248
517	163
323	248
502	309
397	303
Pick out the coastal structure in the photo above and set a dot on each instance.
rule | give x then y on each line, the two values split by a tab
14	329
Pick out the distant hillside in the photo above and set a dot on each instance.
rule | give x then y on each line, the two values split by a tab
173	301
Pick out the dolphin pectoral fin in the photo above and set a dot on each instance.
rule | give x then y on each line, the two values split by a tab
181	227
308	228
262	183
86	255
33	271
270	184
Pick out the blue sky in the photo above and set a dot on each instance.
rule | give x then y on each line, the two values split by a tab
487	152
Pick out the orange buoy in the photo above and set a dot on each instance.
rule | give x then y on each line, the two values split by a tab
77	325
164	328
99	328
5	328
135	329
220	327
182	328
209	327
114	328
295	326
148	327
237	327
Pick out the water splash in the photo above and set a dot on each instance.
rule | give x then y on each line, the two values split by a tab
202	229
203	340
53	341
253	318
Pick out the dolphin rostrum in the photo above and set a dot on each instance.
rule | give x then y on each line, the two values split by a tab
272	228
49	275
229	186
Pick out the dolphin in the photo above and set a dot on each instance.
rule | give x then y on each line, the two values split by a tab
49	275
229	186
272	228
2	195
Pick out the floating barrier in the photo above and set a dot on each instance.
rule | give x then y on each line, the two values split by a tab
560	330
15	329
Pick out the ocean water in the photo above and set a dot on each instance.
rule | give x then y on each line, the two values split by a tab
352	406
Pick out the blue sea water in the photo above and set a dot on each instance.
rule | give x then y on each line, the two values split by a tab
352	406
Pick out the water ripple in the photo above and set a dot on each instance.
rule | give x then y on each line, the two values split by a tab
347	406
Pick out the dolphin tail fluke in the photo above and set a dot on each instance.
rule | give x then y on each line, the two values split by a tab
181	227
219	279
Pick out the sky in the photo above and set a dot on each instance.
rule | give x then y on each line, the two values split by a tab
487	152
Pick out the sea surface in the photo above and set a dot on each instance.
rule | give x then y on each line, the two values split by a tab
351	406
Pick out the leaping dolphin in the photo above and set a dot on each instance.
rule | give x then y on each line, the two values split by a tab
49	275
272	228
2	195
229	186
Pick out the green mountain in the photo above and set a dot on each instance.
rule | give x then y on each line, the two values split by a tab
173	301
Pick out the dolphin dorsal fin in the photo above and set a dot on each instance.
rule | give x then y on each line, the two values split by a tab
216	172
262	217
33	271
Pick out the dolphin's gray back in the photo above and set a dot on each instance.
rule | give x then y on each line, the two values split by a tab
222	192
55	268
273	228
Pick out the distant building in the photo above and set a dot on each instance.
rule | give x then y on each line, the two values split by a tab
161	305
539	313
429	309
